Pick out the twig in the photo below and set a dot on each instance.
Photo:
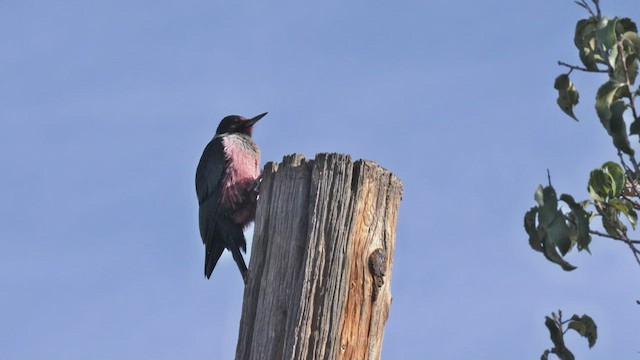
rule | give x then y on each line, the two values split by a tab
574	67
595	232
559	322
632	105
623	60
584	4
621	234
597	3
624	165
635	204
631	181
599	233
635	164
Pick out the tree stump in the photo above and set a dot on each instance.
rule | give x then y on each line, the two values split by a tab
320	270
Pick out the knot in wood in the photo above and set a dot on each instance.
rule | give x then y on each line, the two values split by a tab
377	261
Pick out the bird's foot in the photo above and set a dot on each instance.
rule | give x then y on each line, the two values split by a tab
258	182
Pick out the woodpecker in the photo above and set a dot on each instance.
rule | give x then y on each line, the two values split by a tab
226	184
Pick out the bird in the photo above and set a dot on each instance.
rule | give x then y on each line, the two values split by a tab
227	179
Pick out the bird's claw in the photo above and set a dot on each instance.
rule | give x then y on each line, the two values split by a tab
256	187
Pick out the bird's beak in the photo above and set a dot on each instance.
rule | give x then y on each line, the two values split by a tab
254	120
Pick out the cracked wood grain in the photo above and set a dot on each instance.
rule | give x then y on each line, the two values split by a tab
320	271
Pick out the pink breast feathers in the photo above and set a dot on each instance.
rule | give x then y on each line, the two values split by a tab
239	183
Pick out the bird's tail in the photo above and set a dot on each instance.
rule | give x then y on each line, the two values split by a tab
225	234
234	241
212	255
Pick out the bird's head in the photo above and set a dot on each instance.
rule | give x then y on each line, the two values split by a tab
234	124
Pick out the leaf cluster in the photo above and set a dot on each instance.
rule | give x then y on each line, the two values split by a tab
554	232
611	46
583	325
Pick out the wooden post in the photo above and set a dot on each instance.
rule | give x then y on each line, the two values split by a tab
320	271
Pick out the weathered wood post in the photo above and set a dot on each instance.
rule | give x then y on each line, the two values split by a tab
320	271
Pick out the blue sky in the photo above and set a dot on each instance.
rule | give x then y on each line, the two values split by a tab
106	106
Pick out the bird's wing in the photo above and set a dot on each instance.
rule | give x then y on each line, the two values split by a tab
210	171
209	187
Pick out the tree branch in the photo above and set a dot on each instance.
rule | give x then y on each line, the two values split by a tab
574	67
597	4
627	169
598	233
601	234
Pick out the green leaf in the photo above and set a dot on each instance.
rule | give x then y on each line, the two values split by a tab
586	327
633	39
548	205
618	205
554	332
552	255
632	215
560	234
538	195
545	355
552	224
631	63
585	41
625	25
583	27
613	58
604	98
611	222
580	227
617	177
635	128
625	207
530	228
632	67
618	128
606	33
607	94
558	340
631	45
599	184
552	232
568	96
